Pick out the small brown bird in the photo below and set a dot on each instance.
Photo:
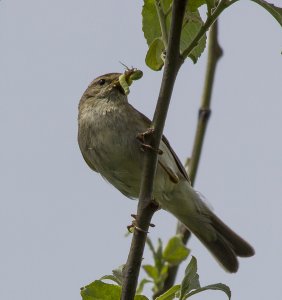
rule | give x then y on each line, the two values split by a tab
107	129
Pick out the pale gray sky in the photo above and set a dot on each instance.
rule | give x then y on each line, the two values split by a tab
61	225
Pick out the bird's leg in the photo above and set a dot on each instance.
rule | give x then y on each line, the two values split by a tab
134	225
144	146
149	147
141	136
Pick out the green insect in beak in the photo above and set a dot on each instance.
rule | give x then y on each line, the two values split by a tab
127	78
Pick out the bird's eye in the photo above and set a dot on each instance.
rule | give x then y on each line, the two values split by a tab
102	81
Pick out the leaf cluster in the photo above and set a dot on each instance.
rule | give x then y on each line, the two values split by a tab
191	285
156	19
156	24
173	253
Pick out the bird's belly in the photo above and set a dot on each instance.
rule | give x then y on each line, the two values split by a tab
118	161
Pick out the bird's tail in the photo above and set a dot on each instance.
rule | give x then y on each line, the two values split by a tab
189	208
226	244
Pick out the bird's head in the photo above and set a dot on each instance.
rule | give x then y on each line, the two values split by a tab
111	87
105	87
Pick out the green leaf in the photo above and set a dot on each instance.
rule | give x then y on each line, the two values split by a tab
117	273
150	245
112	278
153	58
217	286
164	270
191	279
157	254
210	5
141	285
195	4
158	257
99	290
166	5
139	297
192	25
151	271
150	21
152	30
169	294
275	11
162	276
175	251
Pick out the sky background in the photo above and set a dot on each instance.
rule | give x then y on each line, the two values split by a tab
61	225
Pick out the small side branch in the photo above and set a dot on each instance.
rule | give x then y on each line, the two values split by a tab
223	4
146	207
214	54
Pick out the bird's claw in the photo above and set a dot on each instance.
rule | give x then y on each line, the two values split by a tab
134	225
145	147
141	137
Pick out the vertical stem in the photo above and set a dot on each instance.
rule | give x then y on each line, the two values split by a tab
146	207
214	54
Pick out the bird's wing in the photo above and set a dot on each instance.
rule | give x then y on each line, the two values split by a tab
89	163
180	166
168	156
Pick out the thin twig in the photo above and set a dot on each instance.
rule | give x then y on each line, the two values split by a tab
214	54
223	4
146	207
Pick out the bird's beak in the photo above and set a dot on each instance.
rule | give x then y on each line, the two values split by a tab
116	84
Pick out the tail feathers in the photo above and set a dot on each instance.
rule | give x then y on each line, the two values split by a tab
225	245
189	208
223	252
239	245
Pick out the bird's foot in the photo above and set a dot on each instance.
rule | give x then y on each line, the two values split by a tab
144	146
134	225
141	136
